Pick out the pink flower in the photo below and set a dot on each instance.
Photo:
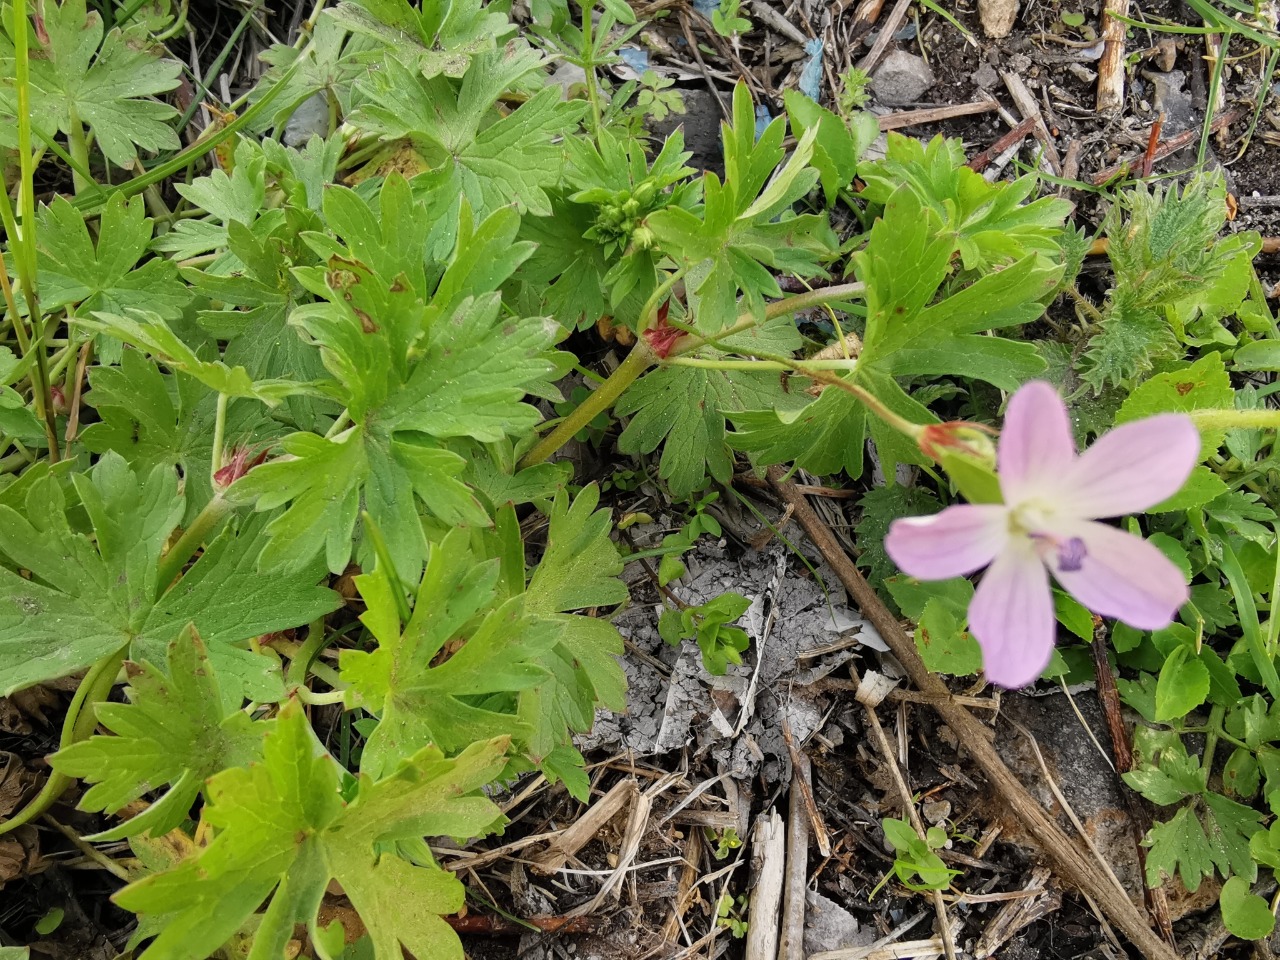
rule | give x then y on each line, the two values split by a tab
1047	524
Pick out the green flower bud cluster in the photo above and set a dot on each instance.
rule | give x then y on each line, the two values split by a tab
620	217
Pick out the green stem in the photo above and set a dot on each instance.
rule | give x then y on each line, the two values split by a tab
779	308
79	152
306	695
214	512
640	359
339	425
589	64
317	666
704	363
25	250
78	725
219	434
300	662
1211	738
1262	418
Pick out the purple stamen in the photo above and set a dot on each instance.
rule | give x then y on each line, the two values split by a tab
1071	554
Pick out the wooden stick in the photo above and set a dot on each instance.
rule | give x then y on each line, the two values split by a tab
1111	66
798	759
791	945
911	118
1071	863
768	861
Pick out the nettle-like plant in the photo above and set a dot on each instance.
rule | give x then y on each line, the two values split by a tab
329	365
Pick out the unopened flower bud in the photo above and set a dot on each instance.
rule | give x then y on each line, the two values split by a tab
236	467
970	439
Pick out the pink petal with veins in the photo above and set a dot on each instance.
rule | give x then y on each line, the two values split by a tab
1036	447
1132	467
955	542
1011	616
1122	576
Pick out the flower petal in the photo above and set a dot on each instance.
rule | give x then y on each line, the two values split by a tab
957	541
1011	617
1036	447
1132	467
1122	576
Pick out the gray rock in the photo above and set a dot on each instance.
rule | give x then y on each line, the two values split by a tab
986	77
902	78
828	926
1172	100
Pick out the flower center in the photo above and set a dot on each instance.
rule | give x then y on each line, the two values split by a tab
1031	520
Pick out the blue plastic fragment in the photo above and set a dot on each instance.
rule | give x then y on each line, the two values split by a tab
763	119
706	7
811	75
635	58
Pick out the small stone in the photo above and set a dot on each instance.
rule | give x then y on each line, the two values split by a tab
997	17
1166	54
1171	100
986	77
902	78
935	811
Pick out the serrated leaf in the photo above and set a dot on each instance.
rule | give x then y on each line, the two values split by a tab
685	408
411	377
903	265
104	276
745	230
880	507
839	144
284	832
175	730
448	676
579	568
87	598
911	595
991	223
455	129
1164	772
944	645
441	36
1179	848
107	82
1203	385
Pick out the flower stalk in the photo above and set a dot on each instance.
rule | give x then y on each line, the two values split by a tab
643	356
